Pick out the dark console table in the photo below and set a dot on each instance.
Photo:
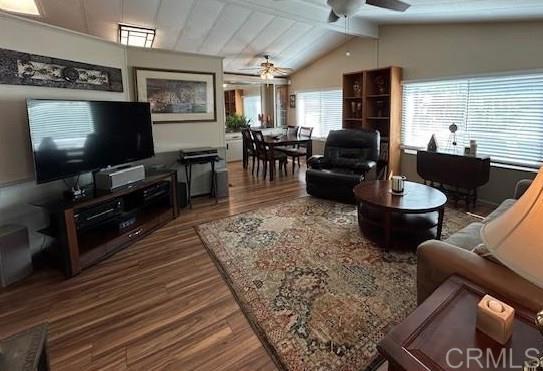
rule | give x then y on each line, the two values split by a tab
98	226
458	175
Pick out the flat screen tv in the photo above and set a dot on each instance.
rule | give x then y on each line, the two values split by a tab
73	137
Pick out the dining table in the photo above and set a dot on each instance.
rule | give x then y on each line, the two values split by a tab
274	141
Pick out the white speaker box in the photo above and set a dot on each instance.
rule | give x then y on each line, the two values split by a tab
110	179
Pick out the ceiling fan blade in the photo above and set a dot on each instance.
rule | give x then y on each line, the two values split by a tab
332	17
396	5
284	70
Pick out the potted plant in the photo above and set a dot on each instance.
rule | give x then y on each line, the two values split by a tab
236	122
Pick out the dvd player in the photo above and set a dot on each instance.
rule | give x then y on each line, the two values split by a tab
95	215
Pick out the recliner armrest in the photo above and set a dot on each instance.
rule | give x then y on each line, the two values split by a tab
438	260
360	166
317	162
522	187
367	165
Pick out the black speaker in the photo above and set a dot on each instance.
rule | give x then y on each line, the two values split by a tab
15	259
182	199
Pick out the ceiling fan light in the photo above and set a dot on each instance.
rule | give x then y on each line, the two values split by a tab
266	75
29	7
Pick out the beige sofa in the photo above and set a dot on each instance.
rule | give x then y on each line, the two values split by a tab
437	260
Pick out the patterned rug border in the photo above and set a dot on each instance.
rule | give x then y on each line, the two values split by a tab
244	307
260	333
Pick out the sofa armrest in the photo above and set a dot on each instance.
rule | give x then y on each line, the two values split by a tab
439	260
522	186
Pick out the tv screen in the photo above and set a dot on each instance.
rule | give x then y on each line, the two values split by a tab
72	137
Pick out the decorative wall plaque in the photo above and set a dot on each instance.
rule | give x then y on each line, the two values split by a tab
18	68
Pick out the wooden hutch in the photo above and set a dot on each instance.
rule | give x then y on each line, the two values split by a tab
372	99
233	102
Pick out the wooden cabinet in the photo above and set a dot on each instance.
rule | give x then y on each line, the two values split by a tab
233	102
92	229
372	99
234	147
281	103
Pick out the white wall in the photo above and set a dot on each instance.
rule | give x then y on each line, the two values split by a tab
25	36
436	51
197	134
15	153
17	187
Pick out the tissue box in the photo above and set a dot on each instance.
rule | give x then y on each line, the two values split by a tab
495	319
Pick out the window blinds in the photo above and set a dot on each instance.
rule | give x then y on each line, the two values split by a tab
321	110
503	114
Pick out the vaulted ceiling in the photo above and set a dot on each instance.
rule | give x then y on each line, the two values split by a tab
293	32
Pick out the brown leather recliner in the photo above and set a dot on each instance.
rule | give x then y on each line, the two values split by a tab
438	260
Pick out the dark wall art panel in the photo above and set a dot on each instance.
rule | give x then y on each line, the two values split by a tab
18	68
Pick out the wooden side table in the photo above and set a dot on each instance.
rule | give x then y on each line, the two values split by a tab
25	351
439	334
457	171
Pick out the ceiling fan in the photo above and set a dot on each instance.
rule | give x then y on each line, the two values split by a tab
347	8
267	70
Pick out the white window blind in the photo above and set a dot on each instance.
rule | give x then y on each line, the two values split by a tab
252	107
321	110
503	114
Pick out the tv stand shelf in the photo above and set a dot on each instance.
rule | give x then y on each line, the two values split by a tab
80	246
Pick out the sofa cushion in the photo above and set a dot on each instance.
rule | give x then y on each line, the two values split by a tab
504	206
467	238
484	252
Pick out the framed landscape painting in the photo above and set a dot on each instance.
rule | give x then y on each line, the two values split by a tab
177	96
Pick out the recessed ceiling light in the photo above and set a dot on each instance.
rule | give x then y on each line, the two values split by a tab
136	36
20	6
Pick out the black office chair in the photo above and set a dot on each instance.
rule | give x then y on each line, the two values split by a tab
349	154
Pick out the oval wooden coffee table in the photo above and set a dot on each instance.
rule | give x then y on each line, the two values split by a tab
410	212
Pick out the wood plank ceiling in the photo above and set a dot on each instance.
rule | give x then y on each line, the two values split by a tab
293	32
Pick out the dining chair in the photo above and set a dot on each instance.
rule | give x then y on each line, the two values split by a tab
292	130
264	154
249	149
306	131
299	150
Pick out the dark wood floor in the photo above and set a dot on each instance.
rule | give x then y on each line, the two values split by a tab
160	304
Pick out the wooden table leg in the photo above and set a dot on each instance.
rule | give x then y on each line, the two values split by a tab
272	162
441	214
388	229
309	149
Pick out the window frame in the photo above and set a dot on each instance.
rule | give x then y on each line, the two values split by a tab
411	149
319	90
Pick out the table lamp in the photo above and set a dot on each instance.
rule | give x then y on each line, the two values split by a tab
516	237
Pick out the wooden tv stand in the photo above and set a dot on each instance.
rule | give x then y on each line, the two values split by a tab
79	246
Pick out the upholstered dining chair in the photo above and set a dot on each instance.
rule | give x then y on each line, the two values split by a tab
292	130
306	131
249	149
299	150
264	154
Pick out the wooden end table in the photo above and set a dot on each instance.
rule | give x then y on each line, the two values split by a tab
418	199
441	333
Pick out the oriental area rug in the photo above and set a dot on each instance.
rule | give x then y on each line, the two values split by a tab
317	293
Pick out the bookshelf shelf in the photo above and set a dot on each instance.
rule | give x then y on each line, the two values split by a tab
372	100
